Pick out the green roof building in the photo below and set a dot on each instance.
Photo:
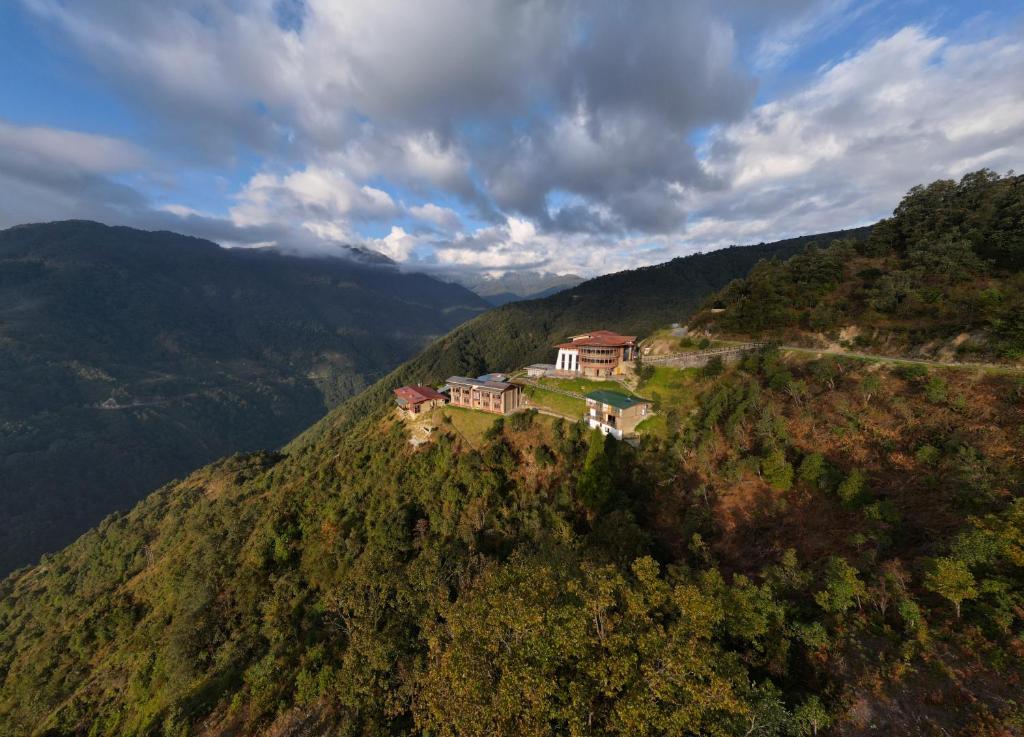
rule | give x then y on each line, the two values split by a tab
616	414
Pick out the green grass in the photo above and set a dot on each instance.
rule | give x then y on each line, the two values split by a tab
671	389
470	423
556	402
585	386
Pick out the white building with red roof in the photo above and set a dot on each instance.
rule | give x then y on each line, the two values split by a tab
597	354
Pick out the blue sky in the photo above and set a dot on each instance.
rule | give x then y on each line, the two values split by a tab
482	135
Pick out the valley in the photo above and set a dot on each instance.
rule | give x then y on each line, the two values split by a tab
129	358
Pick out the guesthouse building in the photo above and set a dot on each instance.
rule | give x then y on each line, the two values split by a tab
616	414
485	394
598	354
414	399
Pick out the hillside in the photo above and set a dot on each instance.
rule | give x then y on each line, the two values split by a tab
806	546
128	358
636	302
942	278
784	560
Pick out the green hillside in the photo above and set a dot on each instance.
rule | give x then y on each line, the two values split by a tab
634	302
942	277
816	546
128	358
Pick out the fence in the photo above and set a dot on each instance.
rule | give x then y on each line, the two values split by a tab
697	359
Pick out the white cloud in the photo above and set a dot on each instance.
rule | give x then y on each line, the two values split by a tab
443	217
563	125
323	201
85	152
397	245
910	108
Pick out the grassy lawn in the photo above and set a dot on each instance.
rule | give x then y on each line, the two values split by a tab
671	389
556	402
470	423
585	386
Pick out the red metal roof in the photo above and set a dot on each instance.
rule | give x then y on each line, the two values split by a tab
599	339
418	393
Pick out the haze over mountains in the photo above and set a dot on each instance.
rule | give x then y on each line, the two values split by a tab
513	286
130	357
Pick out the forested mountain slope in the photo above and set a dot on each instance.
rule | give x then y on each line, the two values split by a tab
823	546
817	546
634	302
128	358
943	277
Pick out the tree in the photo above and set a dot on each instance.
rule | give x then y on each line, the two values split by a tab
777	471
596	487
811	468
644	372
952	580
811	716
843	587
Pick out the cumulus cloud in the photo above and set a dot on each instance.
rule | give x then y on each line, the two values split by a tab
440	95
908	109
507	134
47	173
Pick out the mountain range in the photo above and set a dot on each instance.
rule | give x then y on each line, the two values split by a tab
128	358
514	286
809	540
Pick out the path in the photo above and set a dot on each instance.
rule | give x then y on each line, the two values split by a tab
896	359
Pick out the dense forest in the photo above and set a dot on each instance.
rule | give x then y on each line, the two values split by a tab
128	358
944	272
819	546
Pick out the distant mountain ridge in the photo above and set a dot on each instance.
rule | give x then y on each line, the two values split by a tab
636	301
514	286
129	357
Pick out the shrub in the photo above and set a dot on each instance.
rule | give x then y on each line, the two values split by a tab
777	471
928	455
935	390
811	468
852	490
912	372
521	421
495	430
543	456
713	368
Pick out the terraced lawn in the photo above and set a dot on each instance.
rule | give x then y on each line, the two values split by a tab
585	386
556	402
672	390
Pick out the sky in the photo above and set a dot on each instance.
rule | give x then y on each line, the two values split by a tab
565	136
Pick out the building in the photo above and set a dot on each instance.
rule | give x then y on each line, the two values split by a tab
538	370
616	414
484	394
600	354
415	399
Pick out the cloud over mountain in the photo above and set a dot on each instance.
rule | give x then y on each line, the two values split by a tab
569	135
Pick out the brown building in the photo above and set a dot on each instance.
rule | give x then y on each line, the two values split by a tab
600	354
414	399
484	394
616	414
